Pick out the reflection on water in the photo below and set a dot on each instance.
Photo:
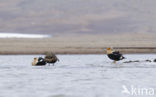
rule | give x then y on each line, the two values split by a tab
73	76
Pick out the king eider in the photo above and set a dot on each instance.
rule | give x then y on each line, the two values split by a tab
51	58
114	55
38	62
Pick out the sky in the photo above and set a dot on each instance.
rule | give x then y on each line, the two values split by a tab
77	16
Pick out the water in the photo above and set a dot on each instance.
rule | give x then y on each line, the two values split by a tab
74	76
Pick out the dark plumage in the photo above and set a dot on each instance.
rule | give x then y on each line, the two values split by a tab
114	55
39	62
51	58
154	60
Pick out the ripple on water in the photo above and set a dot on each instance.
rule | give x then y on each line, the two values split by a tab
73	76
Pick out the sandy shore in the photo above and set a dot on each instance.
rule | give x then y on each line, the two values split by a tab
80	44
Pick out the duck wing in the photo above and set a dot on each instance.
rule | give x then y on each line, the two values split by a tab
118	55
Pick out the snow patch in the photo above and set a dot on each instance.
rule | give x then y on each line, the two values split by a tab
18	35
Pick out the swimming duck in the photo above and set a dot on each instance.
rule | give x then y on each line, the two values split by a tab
154	60
114	55
51	58
38	62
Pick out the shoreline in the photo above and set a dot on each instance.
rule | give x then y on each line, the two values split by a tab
124	50
80	44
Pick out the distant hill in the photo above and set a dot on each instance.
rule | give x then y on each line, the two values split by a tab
78	16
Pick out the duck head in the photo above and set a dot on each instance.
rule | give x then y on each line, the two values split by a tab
34	61
109	50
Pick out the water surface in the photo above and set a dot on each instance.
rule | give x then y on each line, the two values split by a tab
74	76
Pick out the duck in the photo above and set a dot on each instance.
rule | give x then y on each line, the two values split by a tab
154	60
51	58
114	55
38	62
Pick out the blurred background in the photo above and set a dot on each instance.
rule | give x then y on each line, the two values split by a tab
76	25
77	16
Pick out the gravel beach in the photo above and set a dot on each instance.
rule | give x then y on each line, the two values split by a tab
80	44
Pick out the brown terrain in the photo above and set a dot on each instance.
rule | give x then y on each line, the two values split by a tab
81	44
79	26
